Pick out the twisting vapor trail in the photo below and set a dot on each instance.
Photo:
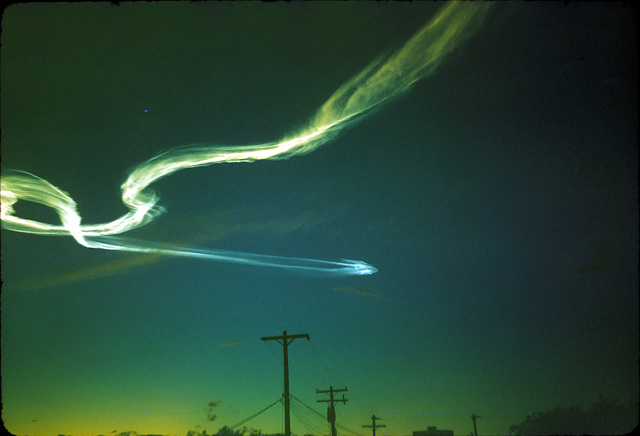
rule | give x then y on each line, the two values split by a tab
378	83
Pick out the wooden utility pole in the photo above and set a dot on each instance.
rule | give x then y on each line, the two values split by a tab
374	426
286	340
475	429
331	410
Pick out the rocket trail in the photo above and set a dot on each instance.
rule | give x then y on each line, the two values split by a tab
378	83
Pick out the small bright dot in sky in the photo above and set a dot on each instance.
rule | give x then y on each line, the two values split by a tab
493	204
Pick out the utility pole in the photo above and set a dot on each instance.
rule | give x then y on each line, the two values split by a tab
286	340
473	418
331	410
374	426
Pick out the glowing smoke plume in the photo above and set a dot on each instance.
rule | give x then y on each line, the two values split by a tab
382	80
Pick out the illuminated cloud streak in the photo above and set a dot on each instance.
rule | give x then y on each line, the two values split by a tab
381	81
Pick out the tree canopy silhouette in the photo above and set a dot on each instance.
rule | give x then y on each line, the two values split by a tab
243	431
604	417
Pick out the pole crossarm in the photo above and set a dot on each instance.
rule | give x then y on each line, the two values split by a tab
331	410
284	337
475	428
331	398
286	340
374	425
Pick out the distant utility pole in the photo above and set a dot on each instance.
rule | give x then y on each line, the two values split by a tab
473	418
331	410
374	426
286	340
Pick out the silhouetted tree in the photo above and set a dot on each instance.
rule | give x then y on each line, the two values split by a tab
603	417
226	431
244	431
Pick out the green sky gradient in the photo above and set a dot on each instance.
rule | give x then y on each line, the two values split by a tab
497	199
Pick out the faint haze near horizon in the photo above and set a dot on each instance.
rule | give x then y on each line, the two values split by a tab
497	199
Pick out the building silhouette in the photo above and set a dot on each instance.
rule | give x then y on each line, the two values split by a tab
433	431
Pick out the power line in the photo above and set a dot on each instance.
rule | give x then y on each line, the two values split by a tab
349	430
308	407
256	414
286	340
331	410
323	364
316	427
323	417
374	426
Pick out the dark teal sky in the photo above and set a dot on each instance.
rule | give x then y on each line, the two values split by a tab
497	199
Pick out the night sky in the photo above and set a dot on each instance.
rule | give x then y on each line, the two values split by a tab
497	198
